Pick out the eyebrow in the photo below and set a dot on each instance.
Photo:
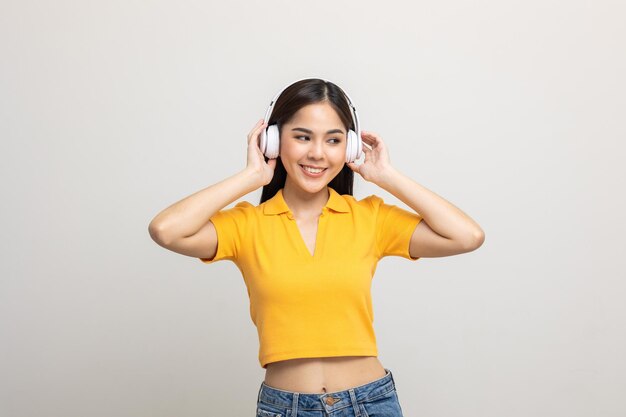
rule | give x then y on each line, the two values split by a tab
301	129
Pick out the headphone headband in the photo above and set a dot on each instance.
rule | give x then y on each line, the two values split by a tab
355	117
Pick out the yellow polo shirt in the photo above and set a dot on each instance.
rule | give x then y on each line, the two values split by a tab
316	305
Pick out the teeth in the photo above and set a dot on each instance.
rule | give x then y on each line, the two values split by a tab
313	170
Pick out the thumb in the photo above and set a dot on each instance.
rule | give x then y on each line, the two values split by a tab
353	167
271	163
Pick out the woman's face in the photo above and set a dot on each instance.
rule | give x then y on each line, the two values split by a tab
314	137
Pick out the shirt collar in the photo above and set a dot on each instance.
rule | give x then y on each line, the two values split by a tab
277	204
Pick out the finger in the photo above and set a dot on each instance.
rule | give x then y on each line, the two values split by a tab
258	128
258	125
370	134
370	137
256	132
374	142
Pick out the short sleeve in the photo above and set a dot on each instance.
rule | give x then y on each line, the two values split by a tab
394	228
230	225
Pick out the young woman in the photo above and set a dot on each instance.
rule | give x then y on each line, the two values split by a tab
309	250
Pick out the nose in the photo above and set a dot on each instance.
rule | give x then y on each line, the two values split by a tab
316	149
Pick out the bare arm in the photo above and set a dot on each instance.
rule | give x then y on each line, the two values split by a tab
187	216
445	230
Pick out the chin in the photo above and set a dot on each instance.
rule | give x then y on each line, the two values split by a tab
313	188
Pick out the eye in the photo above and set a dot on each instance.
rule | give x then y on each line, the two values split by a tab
337	140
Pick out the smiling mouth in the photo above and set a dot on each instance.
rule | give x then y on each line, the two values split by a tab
313	170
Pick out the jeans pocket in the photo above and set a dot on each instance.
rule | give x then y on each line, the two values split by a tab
267	410
386	405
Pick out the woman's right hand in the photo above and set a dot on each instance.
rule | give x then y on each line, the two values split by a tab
256	159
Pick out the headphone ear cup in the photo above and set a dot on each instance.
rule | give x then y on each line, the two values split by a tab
272	142
353	147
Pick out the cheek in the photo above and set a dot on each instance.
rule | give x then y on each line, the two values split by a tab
287	148
340	153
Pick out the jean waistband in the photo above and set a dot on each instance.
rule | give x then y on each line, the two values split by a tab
329	401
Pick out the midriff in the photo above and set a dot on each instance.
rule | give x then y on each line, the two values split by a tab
322	375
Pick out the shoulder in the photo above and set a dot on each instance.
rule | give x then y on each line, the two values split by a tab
370	204
242	206
240	211
371	201
245	205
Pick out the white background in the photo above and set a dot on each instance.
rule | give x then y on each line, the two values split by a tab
511	110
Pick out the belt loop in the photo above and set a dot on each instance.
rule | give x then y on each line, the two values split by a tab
294	404
355	404
392	380
258	397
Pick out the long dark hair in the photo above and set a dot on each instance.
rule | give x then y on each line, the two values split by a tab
293	98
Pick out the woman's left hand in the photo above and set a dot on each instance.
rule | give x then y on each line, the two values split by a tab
376	162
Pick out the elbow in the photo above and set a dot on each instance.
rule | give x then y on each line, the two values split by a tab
156	232
476	241
473	241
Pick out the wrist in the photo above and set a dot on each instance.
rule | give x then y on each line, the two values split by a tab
250	179
387	177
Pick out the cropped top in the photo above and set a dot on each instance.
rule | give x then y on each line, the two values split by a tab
312	305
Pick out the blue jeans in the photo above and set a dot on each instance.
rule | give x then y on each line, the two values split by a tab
374	399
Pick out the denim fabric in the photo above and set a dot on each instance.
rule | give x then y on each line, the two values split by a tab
374	399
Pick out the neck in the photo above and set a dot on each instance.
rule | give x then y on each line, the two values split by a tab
304	204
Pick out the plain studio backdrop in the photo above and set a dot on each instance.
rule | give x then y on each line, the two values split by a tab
511	110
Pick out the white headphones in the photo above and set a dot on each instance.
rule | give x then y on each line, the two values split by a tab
270	136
